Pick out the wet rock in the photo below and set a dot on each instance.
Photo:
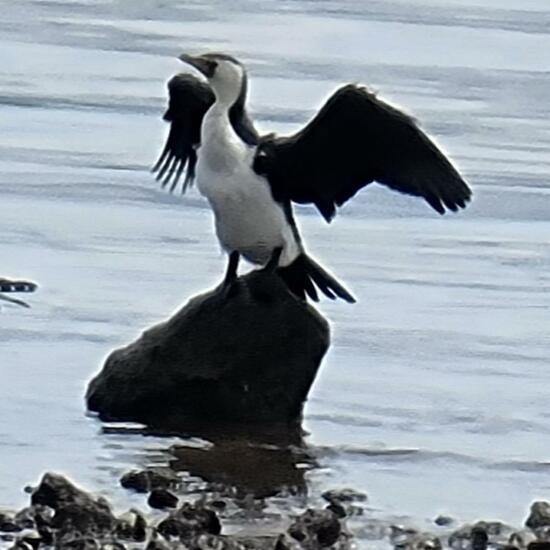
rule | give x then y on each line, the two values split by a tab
246	357
337	509
32	538
75	510
8	525
443	521
75	542
144	481
281	543
479	538
402	537
158	543
521	539
341	502
316	528
539	515
162	498
131	526
539	545
344	495
190	521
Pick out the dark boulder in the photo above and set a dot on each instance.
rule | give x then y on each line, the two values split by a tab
539	515
244	356
74	508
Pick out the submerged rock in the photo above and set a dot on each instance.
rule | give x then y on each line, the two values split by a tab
162	498
244	356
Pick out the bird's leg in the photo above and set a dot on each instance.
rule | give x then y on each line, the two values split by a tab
274	260
232	265
229	285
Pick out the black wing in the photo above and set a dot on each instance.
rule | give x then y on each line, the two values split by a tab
356	139
189	99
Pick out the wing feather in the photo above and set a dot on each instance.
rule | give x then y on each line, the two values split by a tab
356	139
189	99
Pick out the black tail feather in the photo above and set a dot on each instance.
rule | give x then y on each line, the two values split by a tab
304	275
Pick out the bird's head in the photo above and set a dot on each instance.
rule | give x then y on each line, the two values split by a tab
225	74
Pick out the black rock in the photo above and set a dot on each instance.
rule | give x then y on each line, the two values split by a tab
539	545
75	510
539	515
443	521
243	357
144	481
479	538
344	495
190	521
8	525
316	528
162	498
337	509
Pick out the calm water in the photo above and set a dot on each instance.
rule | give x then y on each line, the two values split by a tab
434	396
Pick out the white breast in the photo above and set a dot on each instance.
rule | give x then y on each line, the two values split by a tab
247	218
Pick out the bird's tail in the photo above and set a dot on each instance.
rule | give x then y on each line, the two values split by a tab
304	276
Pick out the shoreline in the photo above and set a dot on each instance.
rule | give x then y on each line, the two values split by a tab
60	514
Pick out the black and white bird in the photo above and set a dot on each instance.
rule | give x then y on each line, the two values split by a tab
251	181
8	285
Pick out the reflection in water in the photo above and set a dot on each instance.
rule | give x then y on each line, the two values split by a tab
254	464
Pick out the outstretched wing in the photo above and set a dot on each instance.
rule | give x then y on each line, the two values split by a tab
356	139
7	285
189	99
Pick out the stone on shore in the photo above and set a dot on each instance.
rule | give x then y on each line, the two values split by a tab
247	355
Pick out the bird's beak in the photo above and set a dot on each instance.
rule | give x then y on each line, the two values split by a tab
202	64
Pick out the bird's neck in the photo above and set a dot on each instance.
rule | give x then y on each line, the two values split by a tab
216	125
221	147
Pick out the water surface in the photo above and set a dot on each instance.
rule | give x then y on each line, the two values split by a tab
434	396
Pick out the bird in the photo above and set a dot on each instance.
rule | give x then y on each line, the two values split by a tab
252	181
9	285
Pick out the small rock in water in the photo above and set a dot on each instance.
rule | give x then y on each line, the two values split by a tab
189	521
8	525
479	538
344	495
162	498
539	515
521	539
316	528
132	526
443	521
337	509
143	481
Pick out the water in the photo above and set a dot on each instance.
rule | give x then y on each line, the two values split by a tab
433	398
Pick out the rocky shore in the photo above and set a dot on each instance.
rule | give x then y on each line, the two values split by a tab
61	515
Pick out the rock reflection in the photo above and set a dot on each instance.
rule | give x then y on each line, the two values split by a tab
244	464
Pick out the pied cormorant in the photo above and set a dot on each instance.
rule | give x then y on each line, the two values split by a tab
251	181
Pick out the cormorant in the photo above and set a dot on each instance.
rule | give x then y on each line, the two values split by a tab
7	285
251	181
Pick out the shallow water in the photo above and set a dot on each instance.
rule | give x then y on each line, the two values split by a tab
433	398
